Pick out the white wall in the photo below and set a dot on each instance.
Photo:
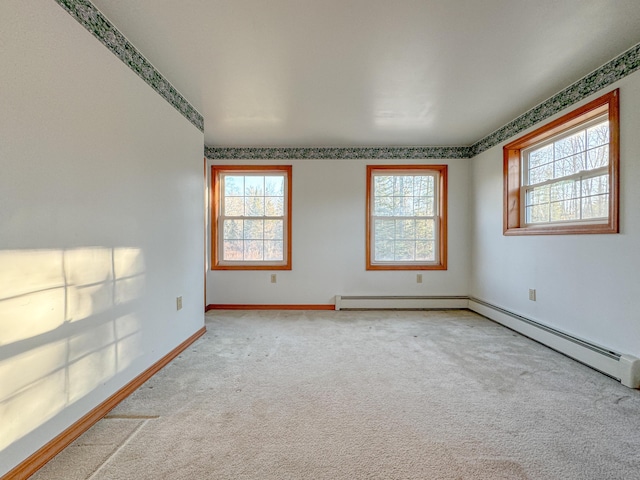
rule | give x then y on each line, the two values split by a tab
328	230
587	285
101	211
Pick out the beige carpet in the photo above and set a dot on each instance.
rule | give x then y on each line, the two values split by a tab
364	395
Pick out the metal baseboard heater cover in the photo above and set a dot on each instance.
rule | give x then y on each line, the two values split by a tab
360	302
625	368
622	367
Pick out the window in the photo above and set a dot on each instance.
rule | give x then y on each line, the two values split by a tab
406	217
563	177
251	217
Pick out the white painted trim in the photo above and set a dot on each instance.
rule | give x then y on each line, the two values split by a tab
625	368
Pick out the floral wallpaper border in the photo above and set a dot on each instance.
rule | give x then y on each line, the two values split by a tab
618	68
290	153
96	23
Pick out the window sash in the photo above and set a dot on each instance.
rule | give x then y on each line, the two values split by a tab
579	176
434	217
222	218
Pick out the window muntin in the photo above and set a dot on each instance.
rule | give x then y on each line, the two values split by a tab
404	222
566	179
252	228
563	177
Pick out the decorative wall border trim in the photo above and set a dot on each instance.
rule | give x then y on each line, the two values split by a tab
618	68
337	153
95	22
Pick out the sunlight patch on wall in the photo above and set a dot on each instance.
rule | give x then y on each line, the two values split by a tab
32	389
32	293
67	325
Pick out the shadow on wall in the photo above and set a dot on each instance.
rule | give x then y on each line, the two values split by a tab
66	326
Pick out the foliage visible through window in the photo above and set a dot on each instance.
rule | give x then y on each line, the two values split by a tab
563	177
252	227
567	179
405	217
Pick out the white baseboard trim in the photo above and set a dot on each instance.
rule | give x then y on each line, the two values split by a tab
625	368
361	302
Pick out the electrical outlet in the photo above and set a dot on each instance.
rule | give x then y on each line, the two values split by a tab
532	294
419	278
179	303
274	278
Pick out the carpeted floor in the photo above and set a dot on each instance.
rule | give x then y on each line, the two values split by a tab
364	395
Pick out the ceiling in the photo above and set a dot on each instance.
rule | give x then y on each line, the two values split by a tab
302	73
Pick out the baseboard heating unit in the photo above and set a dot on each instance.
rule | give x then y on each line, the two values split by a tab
622	367
400	302
625	368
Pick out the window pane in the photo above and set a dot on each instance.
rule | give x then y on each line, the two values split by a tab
564	190
598	134
274	186
537	213
595	186
383	185
254	186
538	195
541	174
425	229
423	185
568	166
253	229
385	229
273	251
232	230
405	229
565	210
403	206
384	250
405	250
234	206
274	206
423	206
598	157
253	250
595	207
233	185
273	229
254	206
232	249
541	156
425	251
383	206
570	145
403	185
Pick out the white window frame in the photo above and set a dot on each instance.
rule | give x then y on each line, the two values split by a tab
581	175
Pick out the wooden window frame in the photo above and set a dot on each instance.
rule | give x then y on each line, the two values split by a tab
216	170
512	172
441	218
